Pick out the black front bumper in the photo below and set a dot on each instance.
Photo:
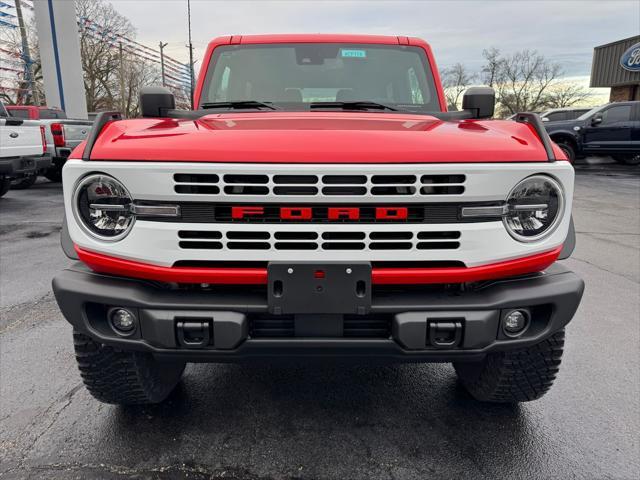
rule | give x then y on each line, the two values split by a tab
240	327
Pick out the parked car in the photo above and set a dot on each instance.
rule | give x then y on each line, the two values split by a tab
557	114
612	129
560	114
513	117
268	224
23	150
62	134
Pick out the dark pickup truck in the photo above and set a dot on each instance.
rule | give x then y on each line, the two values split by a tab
613	129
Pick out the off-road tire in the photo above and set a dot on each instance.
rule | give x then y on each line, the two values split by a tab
124	378
24	182
568	149
5	185
514	376
630	159
54	174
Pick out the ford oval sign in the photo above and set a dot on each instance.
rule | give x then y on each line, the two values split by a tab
630	60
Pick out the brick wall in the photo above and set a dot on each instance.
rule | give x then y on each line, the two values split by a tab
624	93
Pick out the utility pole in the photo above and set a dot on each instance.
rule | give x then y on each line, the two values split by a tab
26	57
162	45
122	95
190	51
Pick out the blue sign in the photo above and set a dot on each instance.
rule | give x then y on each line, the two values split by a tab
630	60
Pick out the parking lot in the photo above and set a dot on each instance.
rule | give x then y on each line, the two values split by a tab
326	421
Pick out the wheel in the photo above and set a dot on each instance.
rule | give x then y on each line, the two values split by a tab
54	174
514	376
24	182
568	149
125	378
630	159
5	185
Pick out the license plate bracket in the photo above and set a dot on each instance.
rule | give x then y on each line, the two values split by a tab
319	288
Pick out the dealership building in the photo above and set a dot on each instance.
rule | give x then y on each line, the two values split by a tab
617	66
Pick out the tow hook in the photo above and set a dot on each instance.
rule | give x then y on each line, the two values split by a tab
444	334
193	334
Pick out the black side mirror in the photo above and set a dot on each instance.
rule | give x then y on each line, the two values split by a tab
155	101
480	101
597	120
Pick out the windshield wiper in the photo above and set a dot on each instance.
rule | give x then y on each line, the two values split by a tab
239	104
355	105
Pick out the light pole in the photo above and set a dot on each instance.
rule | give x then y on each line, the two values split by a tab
190	52
162	45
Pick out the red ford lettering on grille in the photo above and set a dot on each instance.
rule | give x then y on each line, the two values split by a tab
337	214
391	213
296	213
238	213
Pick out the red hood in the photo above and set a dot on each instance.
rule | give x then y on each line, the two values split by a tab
318	137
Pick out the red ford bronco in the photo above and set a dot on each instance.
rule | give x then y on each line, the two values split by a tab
318	202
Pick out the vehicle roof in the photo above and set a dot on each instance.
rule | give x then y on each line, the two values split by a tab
29	107
316	38
567	109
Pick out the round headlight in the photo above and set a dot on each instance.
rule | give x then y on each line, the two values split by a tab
102	206
534	208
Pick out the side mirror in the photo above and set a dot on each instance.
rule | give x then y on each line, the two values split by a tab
545	119
480	101
155	101
597	120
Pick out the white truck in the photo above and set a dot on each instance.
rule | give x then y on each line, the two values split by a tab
62	134
23	149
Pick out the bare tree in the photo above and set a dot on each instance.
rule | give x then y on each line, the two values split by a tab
490	72
527	81
566	94
16	91
137	74
100	29
524	80
455	81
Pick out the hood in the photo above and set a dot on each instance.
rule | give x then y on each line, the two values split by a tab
318	137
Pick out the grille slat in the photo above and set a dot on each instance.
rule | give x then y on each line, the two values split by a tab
303	185
252	240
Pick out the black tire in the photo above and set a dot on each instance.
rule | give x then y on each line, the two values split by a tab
514	376
24	182
124	378
630	159
568	148
54	174
5	185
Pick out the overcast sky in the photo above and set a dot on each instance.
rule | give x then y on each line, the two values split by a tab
458	31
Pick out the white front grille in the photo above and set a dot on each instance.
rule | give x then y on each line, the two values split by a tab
160	243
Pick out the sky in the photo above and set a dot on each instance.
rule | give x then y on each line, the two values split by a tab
458	30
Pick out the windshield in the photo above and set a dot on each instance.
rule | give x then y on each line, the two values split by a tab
294	76
585	116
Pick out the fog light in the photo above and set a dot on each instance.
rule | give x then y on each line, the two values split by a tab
123	321
515	322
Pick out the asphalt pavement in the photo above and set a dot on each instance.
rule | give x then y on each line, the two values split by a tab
326	421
